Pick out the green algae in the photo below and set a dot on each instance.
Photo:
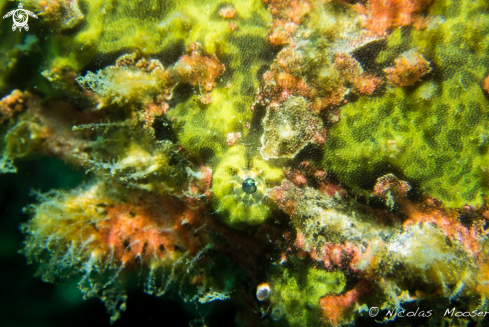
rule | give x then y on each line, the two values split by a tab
433	133
298	289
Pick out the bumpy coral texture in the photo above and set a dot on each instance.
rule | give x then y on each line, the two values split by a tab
299	288
288	128
364	125
433	134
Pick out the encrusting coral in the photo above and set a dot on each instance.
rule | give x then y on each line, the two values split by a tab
305	159
432	134
287	129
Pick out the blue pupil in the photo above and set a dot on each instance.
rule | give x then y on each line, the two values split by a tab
249	186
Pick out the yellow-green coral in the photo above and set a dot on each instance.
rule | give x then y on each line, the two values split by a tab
203	128
233	211
164	29
434	133
298	290
245	53
153	27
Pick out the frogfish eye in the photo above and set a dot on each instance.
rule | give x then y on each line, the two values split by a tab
249	186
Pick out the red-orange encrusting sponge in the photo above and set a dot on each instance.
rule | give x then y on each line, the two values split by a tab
383	15
11	105
197	69
409	68
486	84
336	307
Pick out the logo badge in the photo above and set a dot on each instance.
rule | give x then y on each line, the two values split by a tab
20	17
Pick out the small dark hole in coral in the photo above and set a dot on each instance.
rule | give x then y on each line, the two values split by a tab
258	114
162	247
171	53
263	69
145	246
311	152
163	129
367	54
181	93
174	161
126	244
351	279
466	218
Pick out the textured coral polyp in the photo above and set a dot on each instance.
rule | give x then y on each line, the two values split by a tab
390	183
227	12
231	138
289	128
366	84
386	14
280	195
352	73
336	255
287	16
281	32
198	70
409	68
285	85
153	110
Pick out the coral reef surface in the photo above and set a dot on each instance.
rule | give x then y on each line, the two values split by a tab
306	162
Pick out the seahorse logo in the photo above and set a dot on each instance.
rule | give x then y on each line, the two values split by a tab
20	17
